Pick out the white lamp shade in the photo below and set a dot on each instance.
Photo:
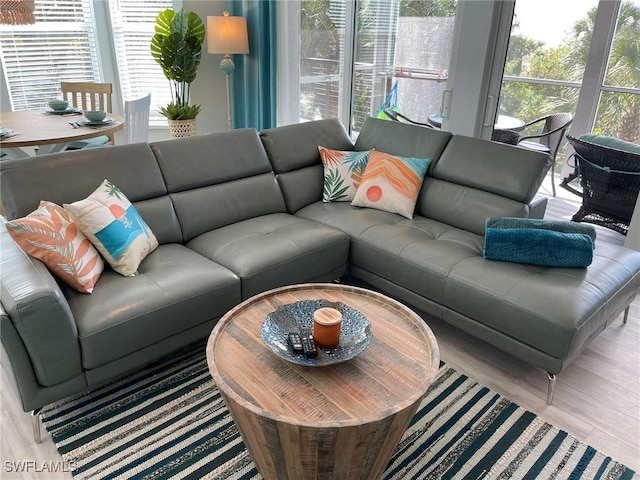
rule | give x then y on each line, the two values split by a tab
227	35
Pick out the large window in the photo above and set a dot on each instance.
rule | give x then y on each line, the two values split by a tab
133	26
351	54
345	67
63	45
618	112
574	66
60	46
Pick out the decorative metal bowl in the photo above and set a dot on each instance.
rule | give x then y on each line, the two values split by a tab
355	335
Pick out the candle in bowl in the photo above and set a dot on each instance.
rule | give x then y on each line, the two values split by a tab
327	323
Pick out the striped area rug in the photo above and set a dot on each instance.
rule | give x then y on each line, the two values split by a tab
168	421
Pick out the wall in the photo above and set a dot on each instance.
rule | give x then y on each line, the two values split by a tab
209	87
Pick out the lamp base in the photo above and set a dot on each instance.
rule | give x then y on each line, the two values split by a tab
227	65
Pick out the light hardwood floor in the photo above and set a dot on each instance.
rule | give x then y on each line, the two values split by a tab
597	397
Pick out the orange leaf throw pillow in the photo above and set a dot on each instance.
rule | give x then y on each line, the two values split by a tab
50	235
391	183
114	227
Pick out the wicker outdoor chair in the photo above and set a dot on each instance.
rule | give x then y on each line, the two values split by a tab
398	117
554	126
610	181
510	137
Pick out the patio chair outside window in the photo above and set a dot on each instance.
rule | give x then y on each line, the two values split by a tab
554	127
510	137
398	117
610	180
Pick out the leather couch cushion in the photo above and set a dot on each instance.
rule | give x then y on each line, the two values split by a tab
65	178
175	289
343	216
207	208
292	147
293	152
505	170
553	310
211	159
275	250
416	254
465	207
402	139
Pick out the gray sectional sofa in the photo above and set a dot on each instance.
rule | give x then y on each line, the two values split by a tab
237	213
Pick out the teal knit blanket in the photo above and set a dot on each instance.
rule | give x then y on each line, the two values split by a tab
555	225
548	243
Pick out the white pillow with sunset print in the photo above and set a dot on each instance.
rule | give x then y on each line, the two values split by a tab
391	183
115	227
342	173
50	235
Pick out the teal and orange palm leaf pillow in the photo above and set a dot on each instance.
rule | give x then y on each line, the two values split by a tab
115	227
343	172
50	235
391	183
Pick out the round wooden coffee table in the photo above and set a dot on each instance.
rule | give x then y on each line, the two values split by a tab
338	421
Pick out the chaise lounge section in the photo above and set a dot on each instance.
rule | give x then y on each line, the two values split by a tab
543	315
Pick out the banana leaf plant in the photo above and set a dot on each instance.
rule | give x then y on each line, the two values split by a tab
177	47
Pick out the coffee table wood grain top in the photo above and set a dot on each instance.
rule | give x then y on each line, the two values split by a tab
375	393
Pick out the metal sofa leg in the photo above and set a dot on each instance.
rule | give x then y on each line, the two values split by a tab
35	424
626	315
552	388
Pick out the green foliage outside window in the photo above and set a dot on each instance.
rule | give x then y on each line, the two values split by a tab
618	113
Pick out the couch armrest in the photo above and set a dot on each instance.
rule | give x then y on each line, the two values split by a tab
39	312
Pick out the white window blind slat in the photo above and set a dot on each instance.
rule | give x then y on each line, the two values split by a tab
133	27
60	46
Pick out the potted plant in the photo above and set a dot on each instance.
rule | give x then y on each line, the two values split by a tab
177	47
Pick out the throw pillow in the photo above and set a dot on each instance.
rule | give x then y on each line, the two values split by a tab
50	235
342	173
115	227
391	183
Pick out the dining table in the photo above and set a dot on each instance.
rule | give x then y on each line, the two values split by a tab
503	122
46	131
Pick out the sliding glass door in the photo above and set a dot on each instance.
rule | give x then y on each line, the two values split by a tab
351	53
583	59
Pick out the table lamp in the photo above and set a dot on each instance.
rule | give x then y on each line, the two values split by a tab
227	35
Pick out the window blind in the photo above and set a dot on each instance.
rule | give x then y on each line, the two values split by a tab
327	44
133	24
60	46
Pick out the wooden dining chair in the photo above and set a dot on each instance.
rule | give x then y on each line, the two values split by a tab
89	96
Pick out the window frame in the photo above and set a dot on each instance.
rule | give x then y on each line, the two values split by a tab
46	31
